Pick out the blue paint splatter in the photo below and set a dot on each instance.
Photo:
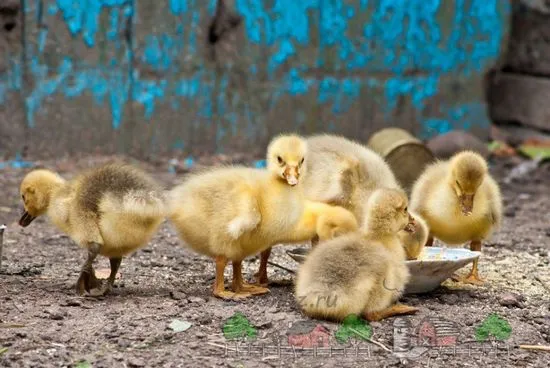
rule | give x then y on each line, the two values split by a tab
17	163
82	16
398	37
463	117
189	162
260	164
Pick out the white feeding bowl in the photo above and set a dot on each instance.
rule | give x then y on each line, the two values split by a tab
434	266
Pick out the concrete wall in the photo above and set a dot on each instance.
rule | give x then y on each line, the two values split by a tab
135	76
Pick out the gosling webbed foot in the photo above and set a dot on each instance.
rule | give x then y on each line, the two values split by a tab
472	279
253	289
394	310
261	279
103	289
87	281
230	295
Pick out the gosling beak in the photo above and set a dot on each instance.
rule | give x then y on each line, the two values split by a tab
411	226
467	204
291	175
26	219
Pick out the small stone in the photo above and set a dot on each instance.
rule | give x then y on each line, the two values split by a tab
445	145
266	325
136	362
196	299
205	320
176	295
450	299
72	303
56	315
511	300
123	343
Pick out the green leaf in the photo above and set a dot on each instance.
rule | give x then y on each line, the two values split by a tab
535	152
83	364
179	326
238	326
3	350
353	327
495	326
494	145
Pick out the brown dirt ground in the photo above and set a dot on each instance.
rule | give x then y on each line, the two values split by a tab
164	281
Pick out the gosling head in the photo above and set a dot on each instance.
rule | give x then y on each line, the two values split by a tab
35	190
468	169
285	158
387	212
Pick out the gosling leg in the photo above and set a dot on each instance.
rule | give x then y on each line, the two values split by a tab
430	241
473	276
87	280
315	241
107	285
219	287
261	275
240	287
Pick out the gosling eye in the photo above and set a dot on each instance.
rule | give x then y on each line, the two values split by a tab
23	197
302	161
458	184
406	209
280	160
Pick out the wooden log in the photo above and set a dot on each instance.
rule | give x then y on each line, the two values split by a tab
406	155
519	98
528	49
517	88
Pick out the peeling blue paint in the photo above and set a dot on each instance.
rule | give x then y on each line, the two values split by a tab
394	48
461	117
17	163
259	164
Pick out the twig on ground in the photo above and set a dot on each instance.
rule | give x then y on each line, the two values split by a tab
281	267
535	347
11	325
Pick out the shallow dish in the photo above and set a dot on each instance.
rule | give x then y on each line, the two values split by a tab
434	266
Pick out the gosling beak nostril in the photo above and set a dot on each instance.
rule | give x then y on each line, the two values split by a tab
292	180
291	175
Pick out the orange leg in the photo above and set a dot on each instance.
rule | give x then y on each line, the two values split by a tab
473	276
394	310
261	276
430	241
242	288
315	241
219	287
